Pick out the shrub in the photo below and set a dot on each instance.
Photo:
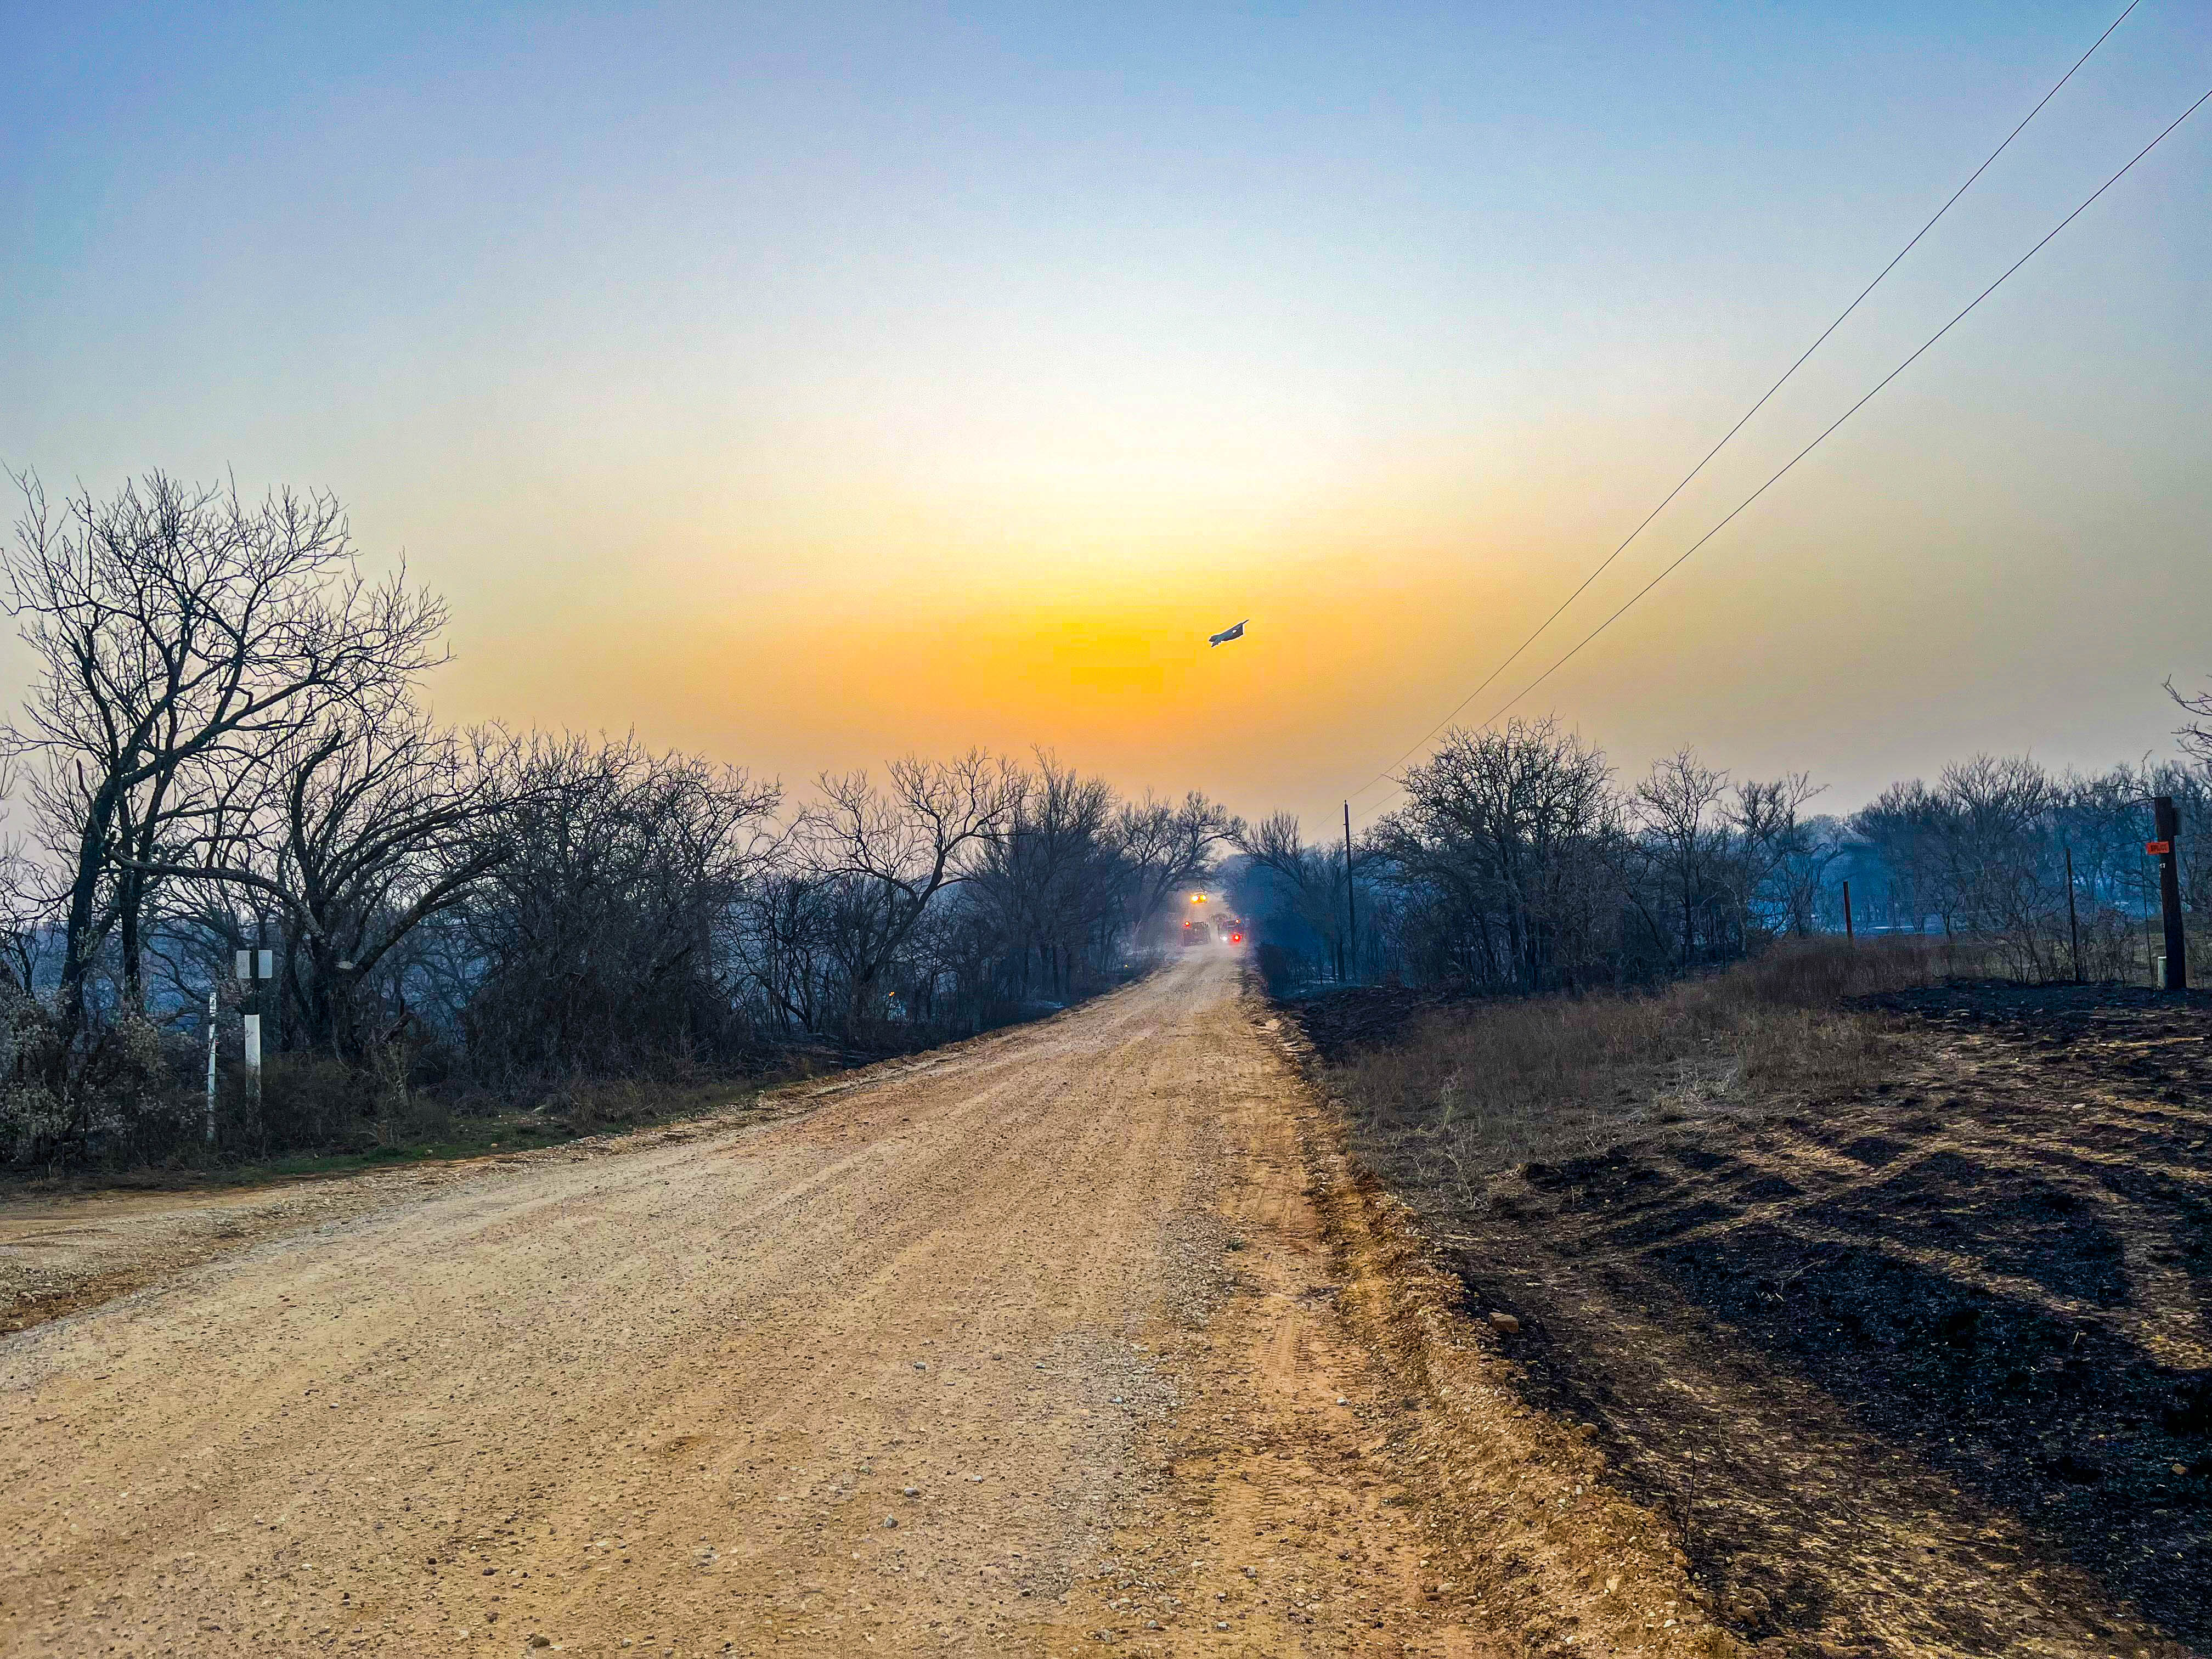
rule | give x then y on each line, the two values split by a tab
134	1090
307	1101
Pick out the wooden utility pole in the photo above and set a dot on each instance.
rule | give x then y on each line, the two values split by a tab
1351	915
2073	925
1849	936
2166	825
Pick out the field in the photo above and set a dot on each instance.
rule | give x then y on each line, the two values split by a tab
1891	1292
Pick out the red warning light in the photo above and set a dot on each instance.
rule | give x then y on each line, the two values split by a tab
1237	939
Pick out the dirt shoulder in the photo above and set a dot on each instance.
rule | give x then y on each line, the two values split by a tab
1921	1367
1521	1501
70	1245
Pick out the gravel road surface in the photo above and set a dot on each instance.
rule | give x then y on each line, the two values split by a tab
1026	1347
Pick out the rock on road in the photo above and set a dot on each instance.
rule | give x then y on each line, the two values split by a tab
1020	1348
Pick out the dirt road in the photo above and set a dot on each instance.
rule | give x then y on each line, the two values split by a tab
1029	1346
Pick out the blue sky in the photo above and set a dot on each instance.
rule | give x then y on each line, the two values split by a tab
1019	347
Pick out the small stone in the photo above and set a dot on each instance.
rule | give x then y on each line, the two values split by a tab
921	1364
1612	1583
909	1492
541	1641
1504	1324
891	1519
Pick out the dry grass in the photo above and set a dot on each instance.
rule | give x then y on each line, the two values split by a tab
1475	1089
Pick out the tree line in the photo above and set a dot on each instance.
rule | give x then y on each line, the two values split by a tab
225	746
1519	860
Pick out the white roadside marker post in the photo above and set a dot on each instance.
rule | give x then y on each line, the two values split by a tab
210	1069
255	967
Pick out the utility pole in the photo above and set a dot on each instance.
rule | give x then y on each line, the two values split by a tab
1849	936
2073	925
1351	916
2166	825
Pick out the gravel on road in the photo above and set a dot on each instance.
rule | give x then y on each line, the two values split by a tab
1027	1347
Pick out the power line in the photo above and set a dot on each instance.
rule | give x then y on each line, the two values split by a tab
1689	477
1852	410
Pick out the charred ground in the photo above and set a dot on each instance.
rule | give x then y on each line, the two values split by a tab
1924	1363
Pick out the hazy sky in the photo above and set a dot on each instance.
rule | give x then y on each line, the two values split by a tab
812	384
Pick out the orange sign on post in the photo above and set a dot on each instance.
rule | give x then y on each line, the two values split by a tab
2158	849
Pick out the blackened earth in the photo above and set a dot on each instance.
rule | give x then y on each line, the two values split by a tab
1926	1368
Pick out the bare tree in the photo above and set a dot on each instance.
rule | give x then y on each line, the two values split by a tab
1773	864
893	850
2196	735
600	940
952	896
782	943
25	908
1678	809
178	632
368	824
1051	872
1513	826
1904	824
1169	847
2000	854
1310	877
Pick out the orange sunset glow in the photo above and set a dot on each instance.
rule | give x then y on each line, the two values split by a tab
811	416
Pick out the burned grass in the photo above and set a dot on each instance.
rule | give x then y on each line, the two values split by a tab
1450	1093
1906	1320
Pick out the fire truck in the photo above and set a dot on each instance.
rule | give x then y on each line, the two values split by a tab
1198	928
